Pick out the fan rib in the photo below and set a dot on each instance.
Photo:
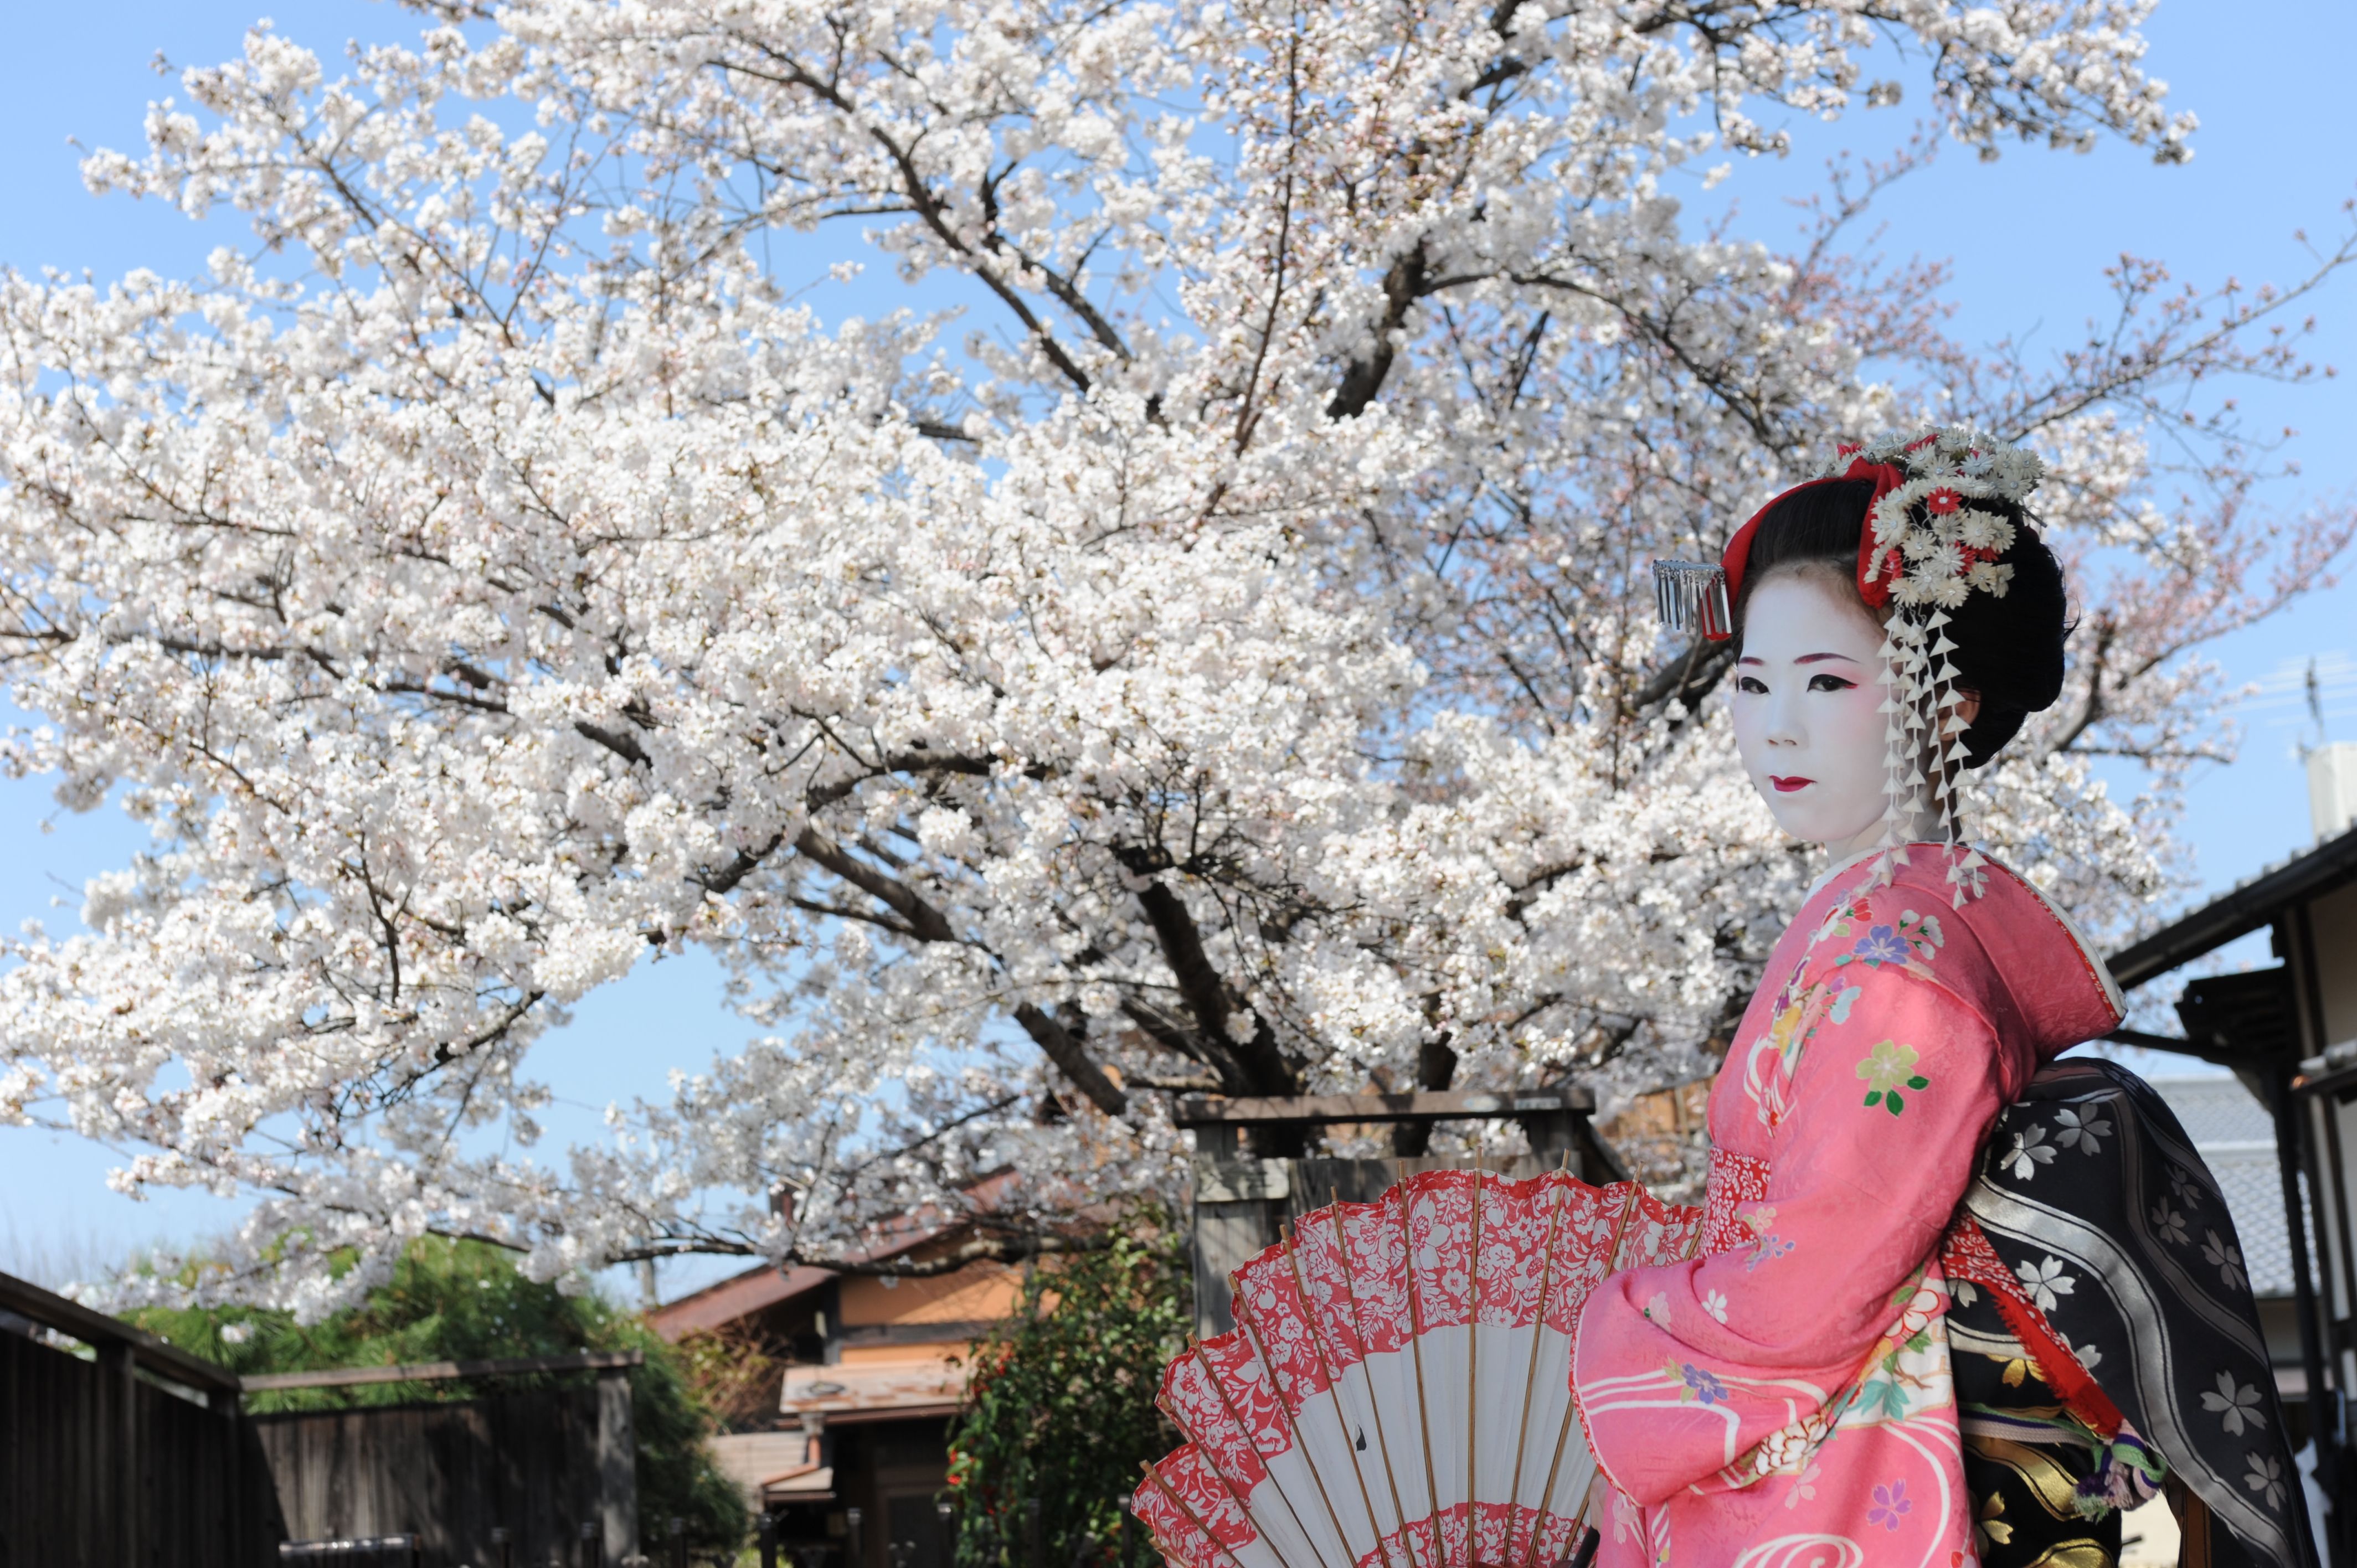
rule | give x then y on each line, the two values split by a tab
1571	1406
1192	1516
1246	1322
1473	1378
1531	1379
1266	1468
1360	1233
1367	1376
1334	1377
1210	1459
1423	1403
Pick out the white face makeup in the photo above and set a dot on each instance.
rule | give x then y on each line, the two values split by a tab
1807	709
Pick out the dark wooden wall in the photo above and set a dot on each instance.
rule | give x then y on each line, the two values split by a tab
450	1473
100	1469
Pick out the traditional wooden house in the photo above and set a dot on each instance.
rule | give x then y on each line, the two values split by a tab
839	1438
2288	1029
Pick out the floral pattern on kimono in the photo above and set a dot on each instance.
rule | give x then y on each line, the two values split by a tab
1785	1397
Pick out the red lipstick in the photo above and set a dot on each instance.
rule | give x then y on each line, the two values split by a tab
1786	786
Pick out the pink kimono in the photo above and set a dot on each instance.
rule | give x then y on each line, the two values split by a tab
1783	1401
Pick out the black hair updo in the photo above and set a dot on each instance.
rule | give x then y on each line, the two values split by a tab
2008	651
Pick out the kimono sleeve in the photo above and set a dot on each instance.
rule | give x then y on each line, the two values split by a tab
1680	1369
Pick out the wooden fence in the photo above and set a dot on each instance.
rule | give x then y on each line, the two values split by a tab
130	1453
453	1473
104	1466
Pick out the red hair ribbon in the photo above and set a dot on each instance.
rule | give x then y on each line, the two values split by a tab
1876	593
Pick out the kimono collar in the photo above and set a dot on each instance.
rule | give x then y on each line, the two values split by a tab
2026	966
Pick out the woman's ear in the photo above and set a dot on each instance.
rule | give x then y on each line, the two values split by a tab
1968	704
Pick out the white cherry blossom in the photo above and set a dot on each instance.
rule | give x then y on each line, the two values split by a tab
2265	1477
1216	663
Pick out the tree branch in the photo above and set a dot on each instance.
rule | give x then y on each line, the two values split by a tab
974	1250
1066	1051
1407	280
1689	677
925	922
1262	1065
622	742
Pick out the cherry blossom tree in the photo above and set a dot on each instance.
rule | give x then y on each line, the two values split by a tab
1219	661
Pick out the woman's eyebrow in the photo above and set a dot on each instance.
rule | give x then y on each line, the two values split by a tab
1821	657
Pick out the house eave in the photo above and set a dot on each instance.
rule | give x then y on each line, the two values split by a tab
2252	905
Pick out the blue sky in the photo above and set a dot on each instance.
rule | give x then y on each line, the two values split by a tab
2028	236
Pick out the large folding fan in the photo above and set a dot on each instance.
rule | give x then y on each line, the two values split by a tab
1397	1390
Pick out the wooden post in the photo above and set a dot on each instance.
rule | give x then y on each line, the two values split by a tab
1236	1205
618	1466
116	1359
225	1404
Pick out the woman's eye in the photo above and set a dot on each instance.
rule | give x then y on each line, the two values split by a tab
1751	685
1829	683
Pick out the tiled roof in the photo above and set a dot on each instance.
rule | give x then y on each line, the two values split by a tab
738	1295
2236	1139
2217	1109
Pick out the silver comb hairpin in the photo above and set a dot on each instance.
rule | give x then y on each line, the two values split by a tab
1692	597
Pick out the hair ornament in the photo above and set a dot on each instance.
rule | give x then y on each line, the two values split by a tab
1926	546
1930	544
1691	595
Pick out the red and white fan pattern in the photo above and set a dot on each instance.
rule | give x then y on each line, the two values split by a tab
1396	1391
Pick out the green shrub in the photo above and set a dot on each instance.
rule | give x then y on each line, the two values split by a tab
1060	1405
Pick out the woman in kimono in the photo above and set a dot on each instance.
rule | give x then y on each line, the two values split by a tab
1794	1395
